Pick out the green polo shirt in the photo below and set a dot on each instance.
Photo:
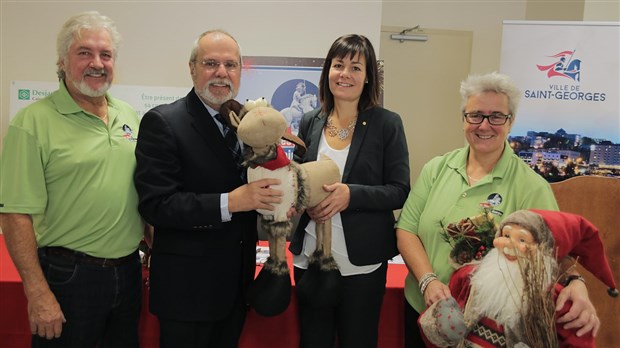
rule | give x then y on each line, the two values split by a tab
74	175
442	195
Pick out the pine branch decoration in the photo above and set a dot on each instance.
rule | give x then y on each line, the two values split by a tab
471	238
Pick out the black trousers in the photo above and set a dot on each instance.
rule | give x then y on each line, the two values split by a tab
413	337
354	322
100	302
224	333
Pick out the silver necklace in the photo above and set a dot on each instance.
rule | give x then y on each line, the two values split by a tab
342	133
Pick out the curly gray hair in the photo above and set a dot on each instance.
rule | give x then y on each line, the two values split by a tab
71	30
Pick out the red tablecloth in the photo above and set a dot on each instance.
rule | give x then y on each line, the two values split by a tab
259	332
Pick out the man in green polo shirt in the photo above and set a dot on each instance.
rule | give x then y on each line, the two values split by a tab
68	206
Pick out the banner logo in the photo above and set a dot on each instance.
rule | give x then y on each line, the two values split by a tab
23	94
566	65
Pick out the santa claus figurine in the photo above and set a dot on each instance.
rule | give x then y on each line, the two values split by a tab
508	299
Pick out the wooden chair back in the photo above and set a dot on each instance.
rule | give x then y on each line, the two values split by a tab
598	199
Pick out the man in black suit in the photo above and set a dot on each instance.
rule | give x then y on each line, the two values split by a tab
192	191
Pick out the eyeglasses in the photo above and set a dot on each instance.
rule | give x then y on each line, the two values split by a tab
212	65
495	119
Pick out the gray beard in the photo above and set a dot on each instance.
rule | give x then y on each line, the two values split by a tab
209	97
84	89
81	86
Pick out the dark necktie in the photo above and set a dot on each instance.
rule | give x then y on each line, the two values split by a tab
230	137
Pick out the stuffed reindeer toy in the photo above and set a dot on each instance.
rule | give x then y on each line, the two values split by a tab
261	127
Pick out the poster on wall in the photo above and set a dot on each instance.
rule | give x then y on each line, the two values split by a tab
289	84
142	98
568	121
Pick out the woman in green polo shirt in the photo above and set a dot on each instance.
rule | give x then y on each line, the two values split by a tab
485	173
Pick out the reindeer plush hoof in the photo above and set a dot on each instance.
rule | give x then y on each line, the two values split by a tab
271	292
320	284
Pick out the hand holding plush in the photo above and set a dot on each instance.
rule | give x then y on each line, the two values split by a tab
261	127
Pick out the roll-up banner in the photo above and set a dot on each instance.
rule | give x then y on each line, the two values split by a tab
568	121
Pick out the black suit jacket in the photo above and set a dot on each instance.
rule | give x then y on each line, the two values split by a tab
377	173
199	264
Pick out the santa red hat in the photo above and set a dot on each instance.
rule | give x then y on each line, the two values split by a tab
573	235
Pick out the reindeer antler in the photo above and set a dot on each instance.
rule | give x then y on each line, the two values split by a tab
231	106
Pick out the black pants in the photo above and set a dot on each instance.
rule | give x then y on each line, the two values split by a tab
224	333
354	322
101	303
413	337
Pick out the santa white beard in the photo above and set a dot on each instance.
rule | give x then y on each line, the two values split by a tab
497	286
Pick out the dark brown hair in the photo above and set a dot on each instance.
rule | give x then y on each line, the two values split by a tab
351	45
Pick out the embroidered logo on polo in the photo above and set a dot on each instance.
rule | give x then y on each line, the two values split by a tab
128	133
493	200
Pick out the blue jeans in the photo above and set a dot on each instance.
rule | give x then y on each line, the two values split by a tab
101	303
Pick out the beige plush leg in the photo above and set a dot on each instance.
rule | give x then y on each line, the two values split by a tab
280	244
277	232
320	237
272	246
327	238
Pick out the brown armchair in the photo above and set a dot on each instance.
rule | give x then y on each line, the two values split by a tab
598	199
